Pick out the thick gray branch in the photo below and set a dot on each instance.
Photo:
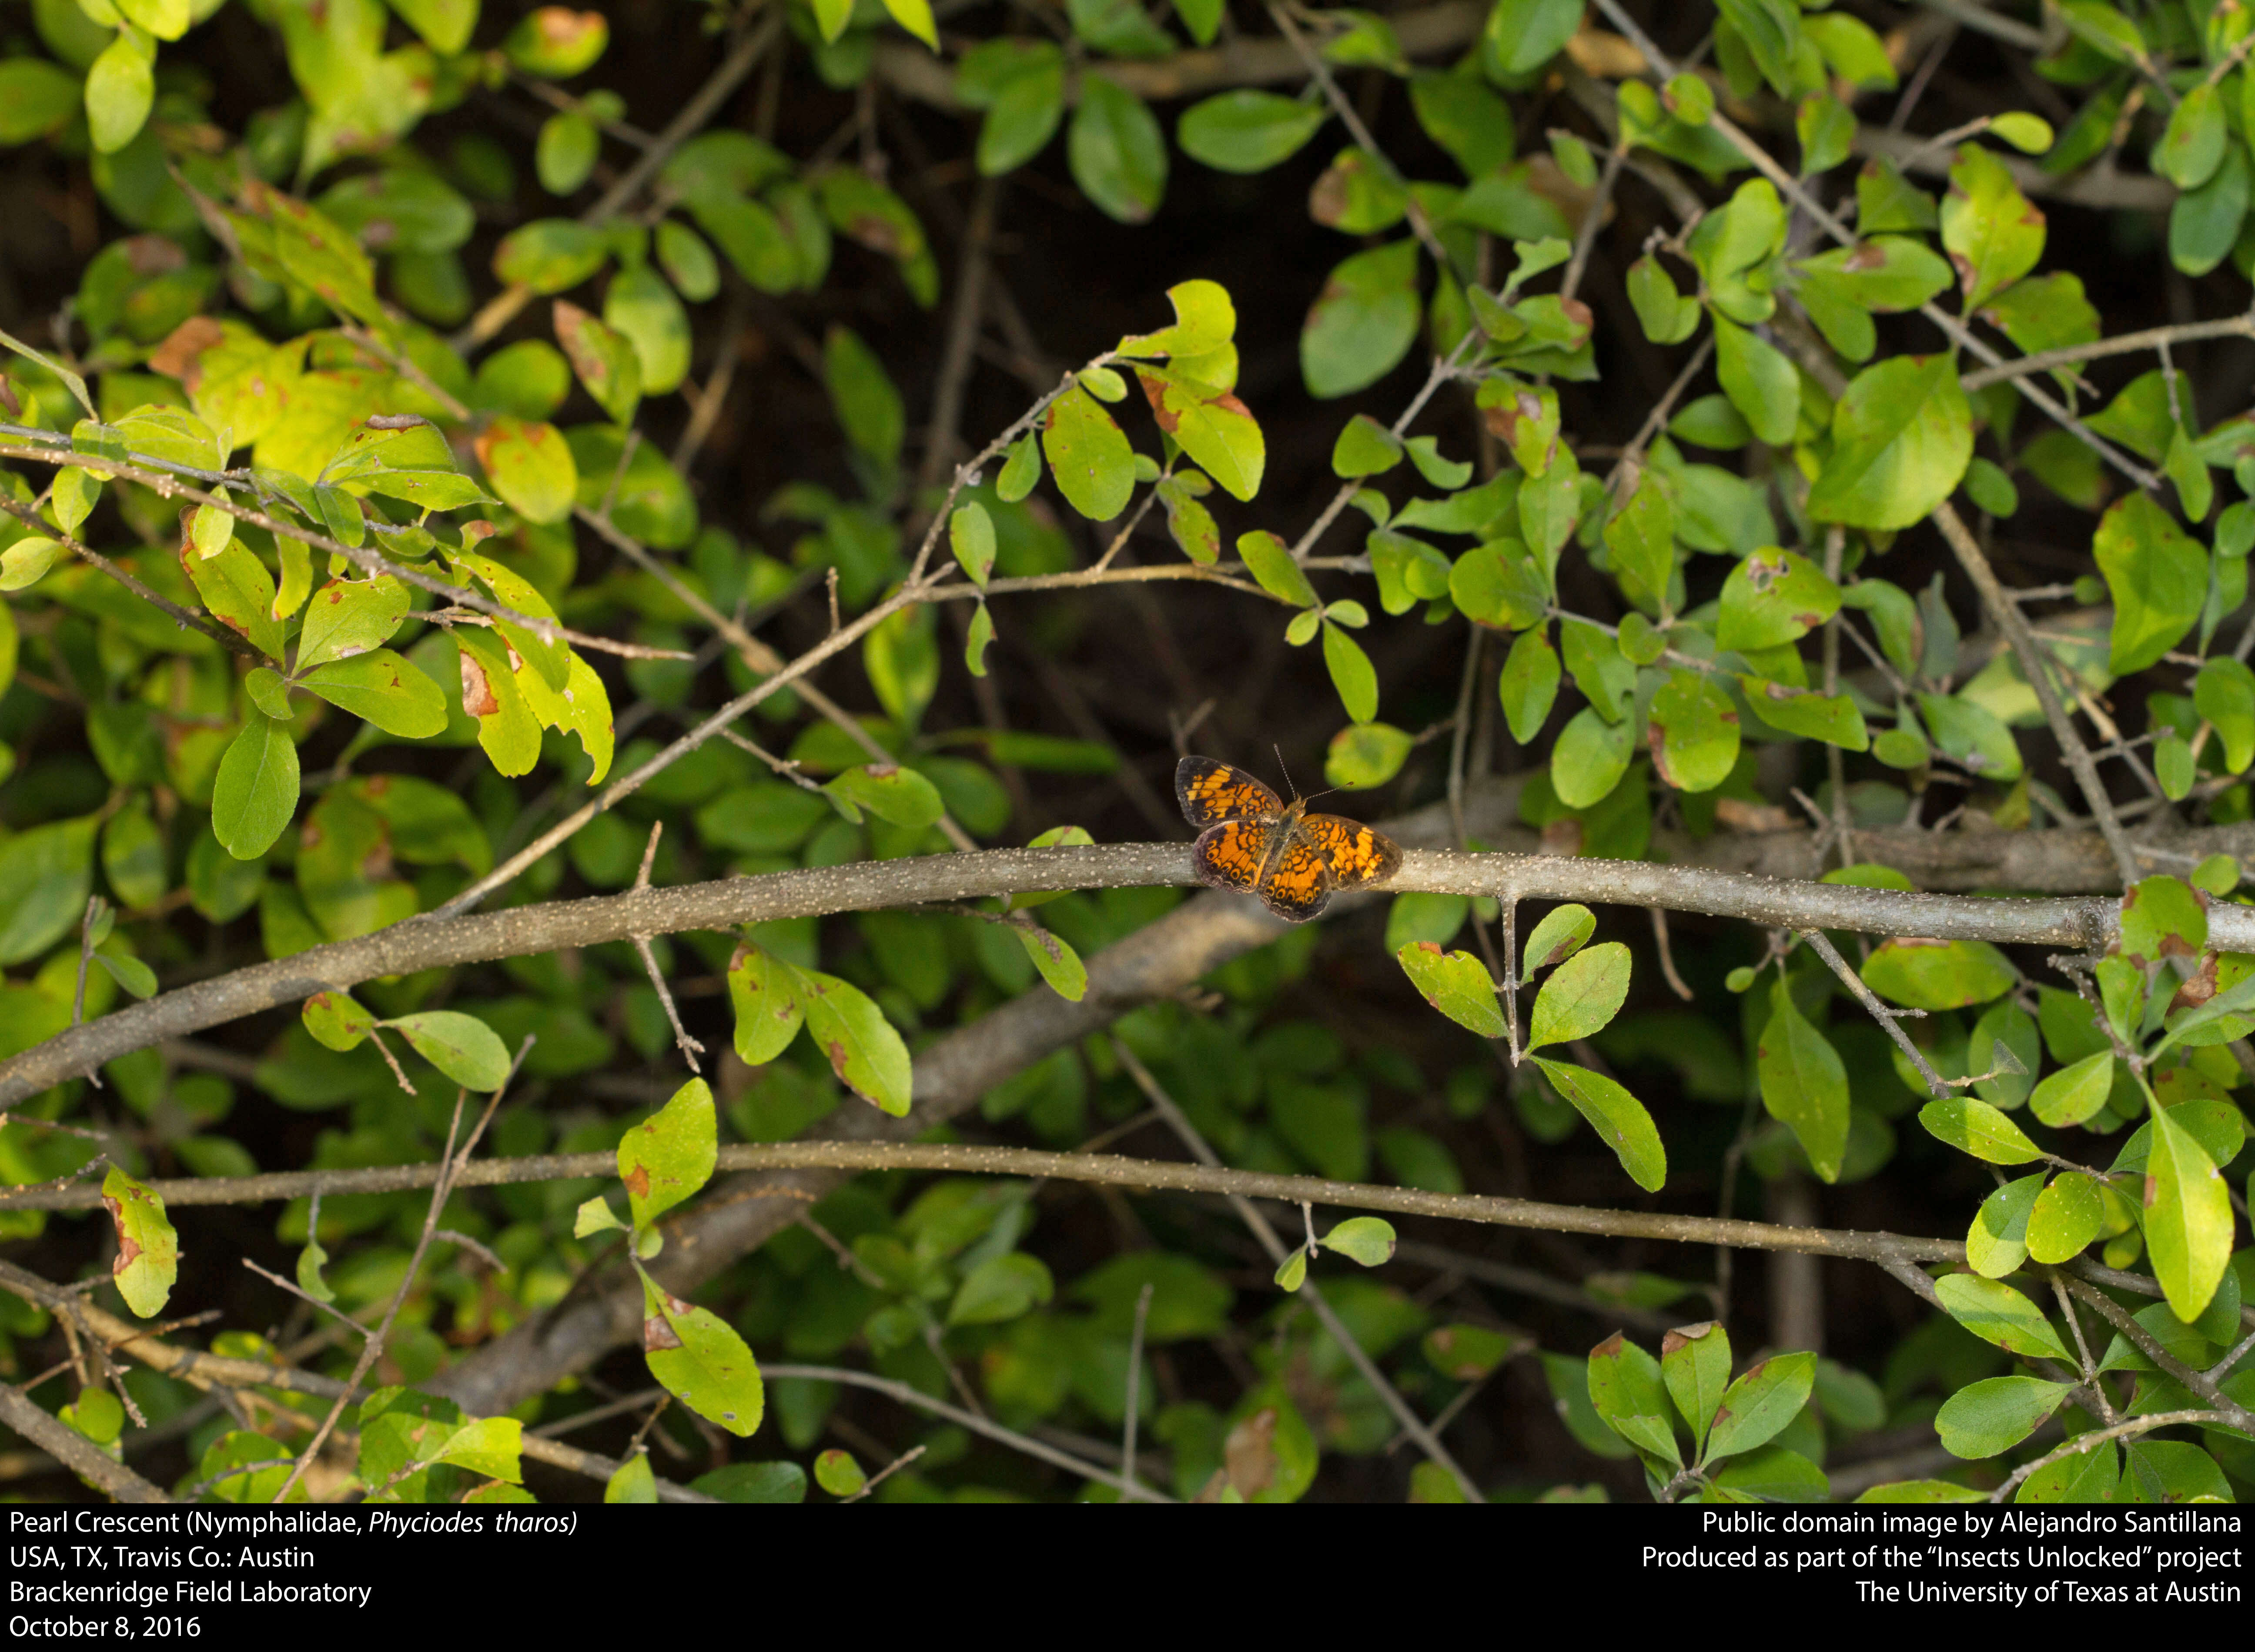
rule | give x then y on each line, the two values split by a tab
424	944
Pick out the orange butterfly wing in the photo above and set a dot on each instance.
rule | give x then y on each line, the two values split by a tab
1300	883
1358	855
1210	791
1228	855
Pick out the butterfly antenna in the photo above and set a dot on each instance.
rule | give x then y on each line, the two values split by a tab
1286	773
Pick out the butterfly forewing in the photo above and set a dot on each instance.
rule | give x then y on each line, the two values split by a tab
1209	791
1358	855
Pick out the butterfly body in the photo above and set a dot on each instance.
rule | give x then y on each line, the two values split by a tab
1252	840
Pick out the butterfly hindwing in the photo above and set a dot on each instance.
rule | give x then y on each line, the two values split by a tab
1228	855
1299	883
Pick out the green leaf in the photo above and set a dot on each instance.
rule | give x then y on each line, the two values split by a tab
1641	538
1997	1242
632	1481
1523	35
1529	684
1270	562
1832	718
1248	132
1969	732
1995	1312
1666	315
347	617
2224	694
1625	1387
311	1261
509	731
1927	975
1598	667
1213	428
256	789
2068	1214
1993	232
754	1483
688	262
863	1049
1366	1239
971	538
1694	732
565	152
764	991
1804	1085
1365	448
337	1020
837	1473
1094	465
1589	758
596	1216
384	689
669	1156
1352	675
489	1447
461	1046
1774	597
1759	381
1902	434
2162	917
2187	1217
1059	965
121	89
1558	937
551	255
890	792
1695	1364
867	406
2075	1094
1362	322
1021	85
148	1259
2192	148
1001	1288
239	591
1618	1117
24	564
2205	224
1582	996
1365	755
37	98
1467	1353
129	972
1757	1407
606	360
916	16
1117	152
1457	984
1975	1128
2158	577
529	467
1996	1414
701	1361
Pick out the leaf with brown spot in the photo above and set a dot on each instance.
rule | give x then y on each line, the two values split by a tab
148	1260
706	1366
671	1155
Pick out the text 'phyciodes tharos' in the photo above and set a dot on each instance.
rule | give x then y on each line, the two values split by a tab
1250	840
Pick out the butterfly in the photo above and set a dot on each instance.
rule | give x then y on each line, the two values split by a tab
1250	840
